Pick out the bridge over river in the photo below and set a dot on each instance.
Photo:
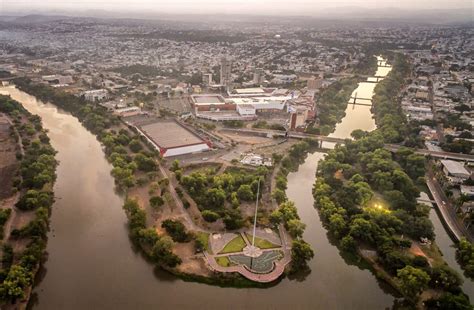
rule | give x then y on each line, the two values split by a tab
300	135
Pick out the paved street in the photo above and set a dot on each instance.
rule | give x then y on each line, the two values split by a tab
446	209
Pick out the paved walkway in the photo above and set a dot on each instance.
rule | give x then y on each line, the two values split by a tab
277	271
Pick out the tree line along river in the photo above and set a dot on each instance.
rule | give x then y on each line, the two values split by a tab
91	262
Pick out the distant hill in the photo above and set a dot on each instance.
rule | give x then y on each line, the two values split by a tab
346	15
37	18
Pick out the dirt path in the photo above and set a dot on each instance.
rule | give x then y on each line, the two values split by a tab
188	221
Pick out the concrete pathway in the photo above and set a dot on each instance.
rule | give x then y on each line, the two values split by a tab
278	266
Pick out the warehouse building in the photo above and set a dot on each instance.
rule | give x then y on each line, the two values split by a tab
172	139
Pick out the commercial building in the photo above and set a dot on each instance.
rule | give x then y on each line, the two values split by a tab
128	111
211	102
298	117
96	95
455	171
172	138
226	70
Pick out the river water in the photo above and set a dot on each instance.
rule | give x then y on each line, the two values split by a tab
91	263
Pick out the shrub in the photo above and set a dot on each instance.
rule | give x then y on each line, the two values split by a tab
210	216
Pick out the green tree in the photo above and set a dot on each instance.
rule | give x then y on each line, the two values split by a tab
301	252
215	198
135	145
279	196
210	216
444	277
296	228
337	224
145	163
175	165
156	201
176	230
245	192
412	281
17	280
465	256
449	301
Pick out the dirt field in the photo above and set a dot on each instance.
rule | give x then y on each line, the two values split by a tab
246	139
192	263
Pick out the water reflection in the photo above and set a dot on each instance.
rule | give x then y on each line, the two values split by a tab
92	264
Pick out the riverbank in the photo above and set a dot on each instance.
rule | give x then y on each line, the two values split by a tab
332	104
88	214
25	215
141	176
369	204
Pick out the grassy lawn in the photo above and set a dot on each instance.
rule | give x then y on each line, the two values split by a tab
235	245
433	252
262	243
223	261
204	238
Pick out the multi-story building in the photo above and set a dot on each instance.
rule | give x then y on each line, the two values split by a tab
96	95
226	70
258	76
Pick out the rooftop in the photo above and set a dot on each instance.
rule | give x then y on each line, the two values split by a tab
455	168
169	134
208	99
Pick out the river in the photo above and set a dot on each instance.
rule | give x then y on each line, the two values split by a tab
91	264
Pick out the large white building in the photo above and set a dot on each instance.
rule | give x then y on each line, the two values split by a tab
95	95
173	139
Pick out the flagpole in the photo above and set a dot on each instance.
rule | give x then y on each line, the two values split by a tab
255	218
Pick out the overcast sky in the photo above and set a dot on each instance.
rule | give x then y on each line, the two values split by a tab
305	7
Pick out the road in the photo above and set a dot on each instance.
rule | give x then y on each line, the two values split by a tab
301	135
437	154
439	126
447	210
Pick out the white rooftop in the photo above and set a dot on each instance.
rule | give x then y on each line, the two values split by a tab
255	90
455	168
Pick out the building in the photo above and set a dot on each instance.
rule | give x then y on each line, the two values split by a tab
467	207
128	111
252	159
422	95
226	71
173	139
57	79
467	191
211	102
96	95
258	76
246	110
314	83
298	117
207	79
249	92
455	171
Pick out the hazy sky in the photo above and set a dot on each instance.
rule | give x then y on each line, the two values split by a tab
306	7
